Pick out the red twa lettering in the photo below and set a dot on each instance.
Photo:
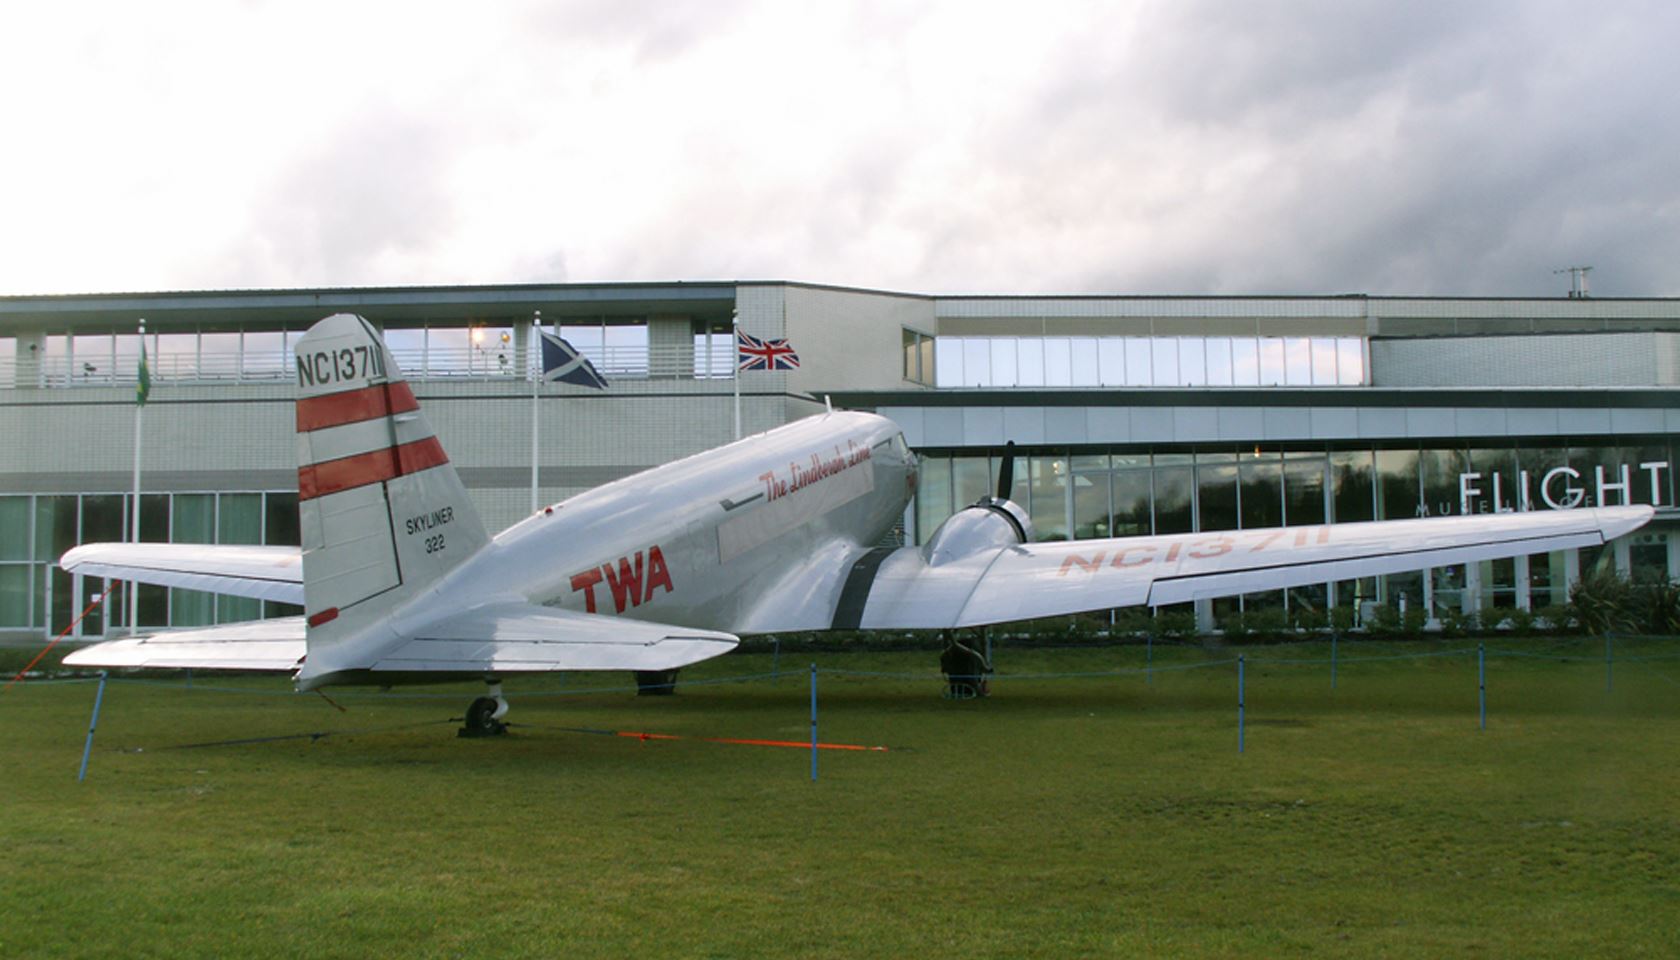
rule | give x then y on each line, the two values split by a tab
657	575
586	582
1089	566
632	579
625	585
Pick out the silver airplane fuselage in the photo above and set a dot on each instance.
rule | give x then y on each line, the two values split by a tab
757	531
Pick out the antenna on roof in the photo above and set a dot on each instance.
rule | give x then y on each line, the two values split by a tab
1577	282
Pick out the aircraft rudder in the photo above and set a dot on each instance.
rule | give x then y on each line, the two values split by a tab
381	509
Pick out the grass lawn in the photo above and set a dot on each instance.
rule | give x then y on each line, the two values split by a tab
1066	816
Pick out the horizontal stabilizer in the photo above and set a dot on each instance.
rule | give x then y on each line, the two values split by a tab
524	638
269	645
264	573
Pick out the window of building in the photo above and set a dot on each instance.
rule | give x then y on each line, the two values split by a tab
1139	361
1192	361
1139	364
172	356
1397	485
1091	509
1164	369
407	346
1216	492
714	355
1298	369
92	357
263	355
1324	359
1004	363
1084	363
918	357
1261	490
1303	490
1245	362
1111	361
1174	487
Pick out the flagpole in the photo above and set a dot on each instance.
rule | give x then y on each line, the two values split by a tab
735	364
140	390
536	379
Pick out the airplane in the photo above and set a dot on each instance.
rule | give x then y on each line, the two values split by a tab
776	532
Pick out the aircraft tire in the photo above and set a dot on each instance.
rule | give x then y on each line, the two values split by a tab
481	719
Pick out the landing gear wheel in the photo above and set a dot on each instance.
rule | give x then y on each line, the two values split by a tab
656	683
481	719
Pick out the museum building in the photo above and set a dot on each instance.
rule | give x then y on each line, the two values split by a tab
1131	414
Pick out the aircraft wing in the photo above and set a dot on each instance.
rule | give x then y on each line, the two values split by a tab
998	584
266	645
266	573
512	637
497	638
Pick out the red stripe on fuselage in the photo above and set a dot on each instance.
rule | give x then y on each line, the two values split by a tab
376	466
354	406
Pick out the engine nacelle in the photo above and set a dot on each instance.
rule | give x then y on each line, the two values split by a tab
989	523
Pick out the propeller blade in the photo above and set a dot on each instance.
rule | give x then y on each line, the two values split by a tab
1006	472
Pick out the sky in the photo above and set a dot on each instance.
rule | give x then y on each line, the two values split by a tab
1170	147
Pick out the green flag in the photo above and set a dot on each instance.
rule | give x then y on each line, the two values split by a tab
144	387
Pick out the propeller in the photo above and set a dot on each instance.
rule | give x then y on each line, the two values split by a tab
1006	472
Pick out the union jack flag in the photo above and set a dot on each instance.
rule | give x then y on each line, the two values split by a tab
752	353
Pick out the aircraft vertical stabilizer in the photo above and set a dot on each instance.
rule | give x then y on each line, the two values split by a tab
382	511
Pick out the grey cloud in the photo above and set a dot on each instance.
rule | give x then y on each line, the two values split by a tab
1390	148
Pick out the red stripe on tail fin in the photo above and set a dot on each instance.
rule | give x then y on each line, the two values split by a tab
355	406
377	466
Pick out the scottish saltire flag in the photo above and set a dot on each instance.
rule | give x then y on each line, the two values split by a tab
562	362
143	389
752	353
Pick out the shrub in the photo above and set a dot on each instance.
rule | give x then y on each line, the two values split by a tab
1520	622
1412	623
1133	622
1385	619
1552	617
1657	607
1175	624
1269	623
1311	619
1341	618
1601	602
1460	623
1235	625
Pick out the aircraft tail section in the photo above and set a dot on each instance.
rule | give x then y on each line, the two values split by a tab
382	511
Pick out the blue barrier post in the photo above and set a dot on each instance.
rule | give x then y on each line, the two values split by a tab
1607	663
813	723
1481	681
1239	703
93	722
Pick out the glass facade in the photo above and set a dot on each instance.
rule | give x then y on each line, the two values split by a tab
617	346
1088	492
35	530
1144	361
